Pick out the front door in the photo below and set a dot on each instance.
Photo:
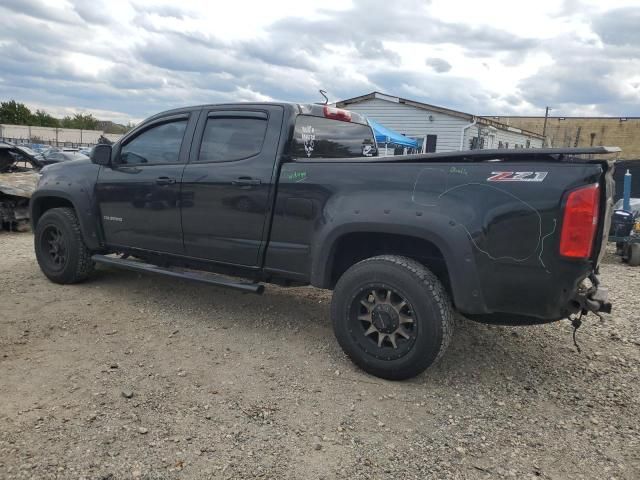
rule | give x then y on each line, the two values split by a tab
139	195
227	185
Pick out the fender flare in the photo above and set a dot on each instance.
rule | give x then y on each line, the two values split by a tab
87	218
452	242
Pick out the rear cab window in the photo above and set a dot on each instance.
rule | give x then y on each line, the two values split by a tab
319	137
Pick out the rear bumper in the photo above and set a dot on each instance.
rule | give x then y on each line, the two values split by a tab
540	298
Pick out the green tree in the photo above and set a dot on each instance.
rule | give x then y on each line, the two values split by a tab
14	113
84	121
43	119
111	127
67	122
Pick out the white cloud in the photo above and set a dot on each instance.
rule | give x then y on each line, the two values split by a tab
126	59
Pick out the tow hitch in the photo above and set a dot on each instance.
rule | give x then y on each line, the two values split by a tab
593	299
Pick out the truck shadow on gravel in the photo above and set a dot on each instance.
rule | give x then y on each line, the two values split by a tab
478	353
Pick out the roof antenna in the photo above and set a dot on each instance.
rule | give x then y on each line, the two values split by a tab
324	94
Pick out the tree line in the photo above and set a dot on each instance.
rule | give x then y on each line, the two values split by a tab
15	113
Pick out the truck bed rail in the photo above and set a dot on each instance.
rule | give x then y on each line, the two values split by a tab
518	154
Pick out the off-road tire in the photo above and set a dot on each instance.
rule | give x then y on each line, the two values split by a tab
430	306
77	265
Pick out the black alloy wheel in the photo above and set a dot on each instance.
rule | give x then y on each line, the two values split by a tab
54	247
392	316
383	323
59	246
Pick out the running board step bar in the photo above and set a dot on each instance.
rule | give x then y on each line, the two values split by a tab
209	278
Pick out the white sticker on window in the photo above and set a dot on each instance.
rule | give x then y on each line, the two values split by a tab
308	139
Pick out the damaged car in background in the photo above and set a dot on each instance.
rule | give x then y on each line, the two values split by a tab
19	174
57	156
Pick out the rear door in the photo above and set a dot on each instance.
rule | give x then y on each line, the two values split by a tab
139	195
228	183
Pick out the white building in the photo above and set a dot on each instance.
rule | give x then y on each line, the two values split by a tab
439	129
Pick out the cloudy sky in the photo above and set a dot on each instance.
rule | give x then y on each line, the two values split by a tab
126	59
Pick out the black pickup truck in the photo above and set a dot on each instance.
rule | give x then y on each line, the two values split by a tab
295	194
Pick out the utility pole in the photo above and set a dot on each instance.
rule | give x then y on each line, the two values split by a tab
544	127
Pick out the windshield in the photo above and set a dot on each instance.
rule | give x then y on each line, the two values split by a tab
64	156
27	150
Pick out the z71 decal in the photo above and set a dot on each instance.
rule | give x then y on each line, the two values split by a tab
517	176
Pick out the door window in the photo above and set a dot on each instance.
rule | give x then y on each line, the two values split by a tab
158	144
229	139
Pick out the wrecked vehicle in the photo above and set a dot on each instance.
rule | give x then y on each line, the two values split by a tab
295	195
54	156
19	174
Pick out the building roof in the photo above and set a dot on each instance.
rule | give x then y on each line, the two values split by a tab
433	108
621	118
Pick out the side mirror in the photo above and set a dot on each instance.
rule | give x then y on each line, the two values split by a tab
101	154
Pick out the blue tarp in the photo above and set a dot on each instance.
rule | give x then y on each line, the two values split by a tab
388	136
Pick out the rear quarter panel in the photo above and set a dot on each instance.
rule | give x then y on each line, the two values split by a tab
499	238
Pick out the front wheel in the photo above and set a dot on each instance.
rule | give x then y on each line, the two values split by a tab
60	250
392	316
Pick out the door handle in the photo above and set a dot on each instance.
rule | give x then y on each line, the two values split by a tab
165	181
246	181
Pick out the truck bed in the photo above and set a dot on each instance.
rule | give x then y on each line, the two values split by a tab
496	224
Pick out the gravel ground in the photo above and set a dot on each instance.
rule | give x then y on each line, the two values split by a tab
130	376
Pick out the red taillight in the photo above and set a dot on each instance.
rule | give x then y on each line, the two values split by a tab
580	222
337	113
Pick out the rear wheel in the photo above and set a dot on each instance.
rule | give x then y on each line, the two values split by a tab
60	250
392	316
